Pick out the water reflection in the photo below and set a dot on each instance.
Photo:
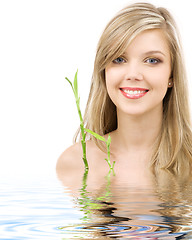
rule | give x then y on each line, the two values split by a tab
116	209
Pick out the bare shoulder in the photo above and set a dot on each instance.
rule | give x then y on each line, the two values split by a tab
70	158
70	167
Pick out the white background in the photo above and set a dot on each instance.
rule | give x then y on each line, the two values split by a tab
41	42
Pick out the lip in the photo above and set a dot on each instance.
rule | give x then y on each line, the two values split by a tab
128	92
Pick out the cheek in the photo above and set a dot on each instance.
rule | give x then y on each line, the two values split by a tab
112	77
160	79
160	86
109	78
111	83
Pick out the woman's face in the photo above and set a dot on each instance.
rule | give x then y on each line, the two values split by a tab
137	81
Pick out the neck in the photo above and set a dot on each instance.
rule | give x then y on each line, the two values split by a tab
138	132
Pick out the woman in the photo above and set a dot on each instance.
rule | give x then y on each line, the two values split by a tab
138	95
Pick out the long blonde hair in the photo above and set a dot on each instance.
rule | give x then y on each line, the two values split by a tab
174	146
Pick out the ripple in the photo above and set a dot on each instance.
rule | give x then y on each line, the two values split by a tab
121	231
35	212
44	212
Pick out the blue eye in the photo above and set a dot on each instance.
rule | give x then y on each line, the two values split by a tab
119	60
153	60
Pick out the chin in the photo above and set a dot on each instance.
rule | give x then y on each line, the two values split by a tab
133	112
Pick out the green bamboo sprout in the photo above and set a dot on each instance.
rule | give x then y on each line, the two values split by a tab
108	142
84	131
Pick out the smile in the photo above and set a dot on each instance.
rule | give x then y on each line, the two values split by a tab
134	93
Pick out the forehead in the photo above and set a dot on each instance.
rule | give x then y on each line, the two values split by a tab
148	41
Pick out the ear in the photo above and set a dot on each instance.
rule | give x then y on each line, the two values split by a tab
170	83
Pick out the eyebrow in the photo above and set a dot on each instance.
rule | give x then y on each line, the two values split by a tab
154	52
150	52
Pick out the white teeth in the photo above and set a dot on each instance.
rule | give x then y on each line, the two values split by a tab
133	92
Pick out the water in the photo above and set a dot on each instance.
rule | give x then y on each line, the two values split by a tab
77	207
35	209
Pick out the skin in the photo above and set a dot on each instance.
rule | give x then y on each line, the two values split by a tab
145	64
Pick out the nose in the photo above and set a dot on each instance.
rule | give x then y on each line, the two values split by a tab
133	72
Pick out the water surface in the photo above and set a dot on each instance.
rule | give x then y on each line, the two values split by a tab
76	206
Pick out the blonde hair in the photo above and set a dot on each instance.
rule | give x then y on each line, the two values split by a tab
174	146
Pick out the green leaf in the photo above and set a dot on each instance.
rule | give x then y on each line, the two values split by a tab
95	135
75	84
69	82
109	140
